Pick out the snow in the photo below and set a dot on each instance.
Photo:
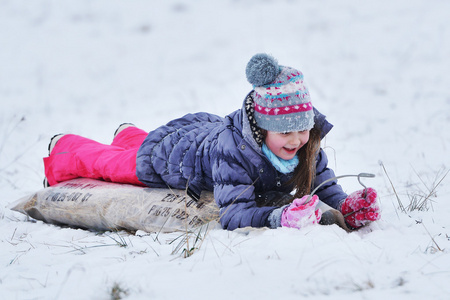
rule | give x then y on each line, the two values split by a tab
378	70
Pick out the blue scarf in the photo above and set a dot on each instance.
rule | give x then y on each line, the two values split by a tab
282	165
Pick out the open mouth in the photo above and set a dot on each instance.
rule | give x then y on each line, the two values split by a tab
290	150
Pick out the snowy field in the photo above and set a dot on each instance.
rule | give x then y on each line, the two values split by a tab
379	70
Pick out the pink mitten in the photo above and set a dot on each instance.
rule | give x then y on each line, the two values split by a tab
360	208
300	214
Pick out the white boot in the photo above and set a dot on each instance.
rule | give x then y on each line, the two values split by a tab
53	142
122	127
51	145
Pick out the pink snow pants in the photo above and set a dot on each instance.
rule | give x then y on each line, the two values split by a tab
74	156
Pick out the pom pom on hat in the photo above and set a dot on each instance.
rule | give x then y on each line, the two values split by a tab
262	69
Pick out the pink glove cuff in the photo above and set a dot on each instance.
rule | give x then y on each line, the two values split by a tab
298	214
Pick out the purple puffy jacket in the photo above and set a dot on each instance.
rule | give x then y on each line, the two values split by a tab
206	152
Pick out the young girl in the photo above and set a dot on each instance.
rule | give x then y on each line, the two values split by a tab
252	159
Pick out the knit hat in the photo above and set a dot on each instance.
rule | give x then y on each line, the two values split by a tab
281	100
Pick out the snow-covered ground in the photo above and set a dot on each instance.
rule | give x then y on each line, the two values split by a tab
378	69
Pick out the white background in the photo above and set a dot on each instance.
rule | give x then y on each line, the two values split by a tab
379	70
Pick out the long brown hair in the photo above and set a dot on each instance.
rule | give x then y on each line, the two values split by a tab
305	172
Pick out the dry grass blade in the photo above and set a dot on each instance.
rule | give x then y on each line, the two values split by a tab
118	292
432	238
420	200
400	204
120	241
196	236
184	246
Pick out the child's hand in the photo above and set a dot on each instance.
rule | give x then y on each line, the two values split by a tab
360	208
298	214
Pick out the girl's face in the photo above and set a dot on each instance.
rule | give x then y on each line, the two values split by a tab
286	144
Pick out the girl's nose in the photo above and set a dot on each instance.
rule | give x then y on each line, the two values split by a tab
296	139
299	138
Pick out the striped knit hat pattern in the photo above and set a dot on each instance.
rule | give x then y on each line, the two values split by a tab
281	100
